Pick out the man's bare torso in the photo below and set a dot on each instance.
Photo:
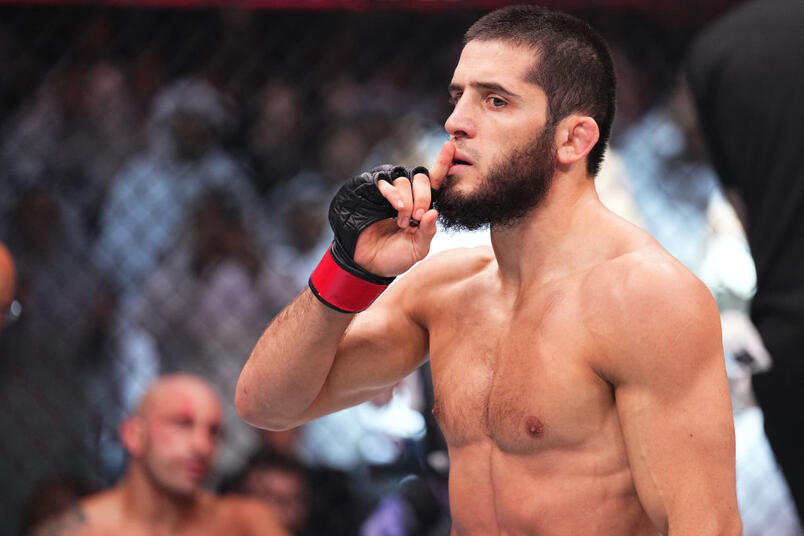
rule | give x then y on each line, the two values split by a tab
534	438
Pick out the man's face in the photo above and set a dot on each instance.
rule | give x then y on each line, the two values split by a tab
284	490
180	434
505	150
193	136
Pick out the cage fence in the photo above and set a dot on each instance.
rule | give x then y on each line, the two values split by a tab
164	180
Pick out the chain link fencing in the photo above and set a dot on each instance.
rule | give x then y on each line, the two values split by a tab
164	180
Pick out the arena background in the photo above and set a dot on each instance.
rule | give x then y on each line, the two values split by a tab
165	168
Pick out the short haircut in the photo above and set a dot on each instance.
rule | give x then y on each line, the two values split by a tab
268	458
572	64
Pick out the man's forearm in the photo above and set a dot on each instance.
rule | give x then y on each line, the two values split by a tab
290	363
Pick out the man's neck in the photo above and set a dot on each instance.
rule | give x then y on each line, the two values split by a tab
551	240
147	503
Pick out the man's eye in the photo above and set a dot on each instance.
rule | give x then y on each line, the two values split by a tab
497	102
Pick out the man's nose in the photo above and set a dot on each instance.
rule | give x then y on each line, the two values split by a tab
461	122
204	443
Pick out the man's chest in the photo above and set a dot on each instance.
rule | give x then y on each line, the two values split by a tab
525	380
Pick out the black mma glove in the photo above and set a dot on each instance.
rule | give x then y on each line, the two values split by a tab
338	281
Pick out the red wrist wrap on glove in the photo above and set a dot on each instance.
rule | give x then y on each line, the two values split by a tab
341	290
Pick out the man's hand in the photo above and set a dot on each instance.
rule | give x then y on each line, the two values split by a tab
383	225
390	247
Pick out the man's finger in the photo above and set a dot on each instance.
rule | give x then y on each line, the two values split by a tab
426	231
391	194
402	185
421	196
442	164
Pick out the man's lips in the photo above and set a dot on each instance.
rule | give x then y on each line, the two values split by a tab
196	469
459	162
460	158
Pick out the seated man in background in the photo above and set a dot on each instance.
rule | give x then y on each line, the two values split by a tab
281	481
171	439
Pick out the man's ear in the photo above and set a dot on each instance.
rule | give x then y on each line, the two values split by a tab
576	135
132	434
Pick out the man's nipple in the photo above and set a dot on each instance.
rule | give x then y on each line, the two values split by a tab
534	427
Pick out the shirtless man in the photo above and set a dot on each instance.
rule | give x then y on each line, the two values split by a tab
8	278
171	440
578	370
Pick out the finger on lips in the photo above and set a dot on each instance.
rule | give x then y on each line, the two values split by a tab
442	164
421	196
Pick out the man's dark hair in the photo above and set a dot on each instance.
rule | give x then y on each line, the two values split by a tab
265	459
572	64
268	458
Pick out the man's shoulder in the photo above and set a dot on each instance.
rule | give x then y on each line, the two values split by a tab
434	280
646	290
453	265
645	304
644	274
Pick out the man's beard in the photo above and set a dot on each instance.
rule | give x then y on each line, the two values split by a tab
511	189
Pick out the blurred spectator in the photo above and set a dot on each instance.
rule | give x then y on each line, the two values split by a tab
79	127
43	233
747	88
344	147
274	138
151	194
280	481
305	234
8	285
203	307
172	439
55	383
309	500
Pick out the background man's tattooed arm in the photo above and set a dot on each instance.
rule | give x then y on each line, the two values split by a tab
67	523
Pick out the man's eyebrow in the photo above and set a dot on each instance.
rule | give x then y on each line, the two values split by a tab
488	86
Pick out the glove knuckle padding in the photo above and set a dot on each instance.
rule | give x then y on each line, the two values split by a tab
357	205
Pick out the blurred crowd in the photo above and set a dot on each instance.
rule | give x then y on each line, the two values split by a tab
164	179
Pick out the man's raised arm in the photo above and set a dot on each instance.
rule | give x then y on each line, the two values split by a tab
303	365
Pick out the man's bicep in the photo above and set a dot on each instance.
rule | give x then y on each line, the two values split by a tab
381	346
680	443
673	403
